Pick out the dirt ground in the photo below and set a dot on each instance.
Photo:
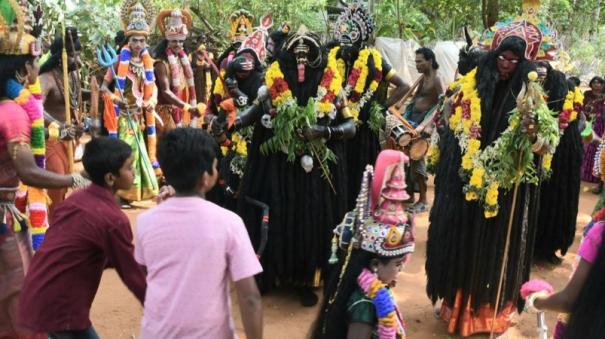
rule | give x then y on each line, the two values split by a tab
116	314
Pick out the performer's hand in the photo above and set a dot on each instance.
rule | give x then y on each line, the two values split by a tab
148	105
310	133
529	126
67	132
195	113
165	193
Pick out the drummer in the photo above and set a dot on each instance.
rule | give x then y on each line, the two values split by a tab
425	99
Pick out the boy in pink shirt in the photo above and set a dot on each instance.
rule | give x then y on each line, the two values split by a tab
192	248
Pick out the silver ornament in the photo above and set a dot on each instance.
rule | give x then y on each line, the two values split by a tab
307	163
266	121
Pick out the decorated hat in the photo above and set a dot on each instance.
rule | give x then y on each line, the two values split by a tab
16	26
542	39
174	23
137	17
304	40
379	223
241	25
354	24
525	30
256	43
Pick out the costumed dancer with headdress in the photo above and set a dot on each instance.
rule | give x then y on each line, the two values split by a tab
294	164
235	89
376	241
130	108
594	109
203	75
560	195
177	97
363	69
21	154
240	27
60	131
498	122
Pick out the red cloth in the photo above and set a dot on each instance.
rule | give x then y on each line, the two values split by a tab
57	162
88	233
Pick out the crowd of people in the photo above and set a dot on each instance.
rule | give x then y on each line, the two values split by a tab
288	162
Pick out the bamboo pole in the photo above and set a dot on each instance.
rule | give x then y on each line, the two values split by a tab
70	145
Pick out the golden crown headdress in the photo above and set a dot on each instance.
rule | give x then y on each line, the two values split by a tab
137	17
241	25
16	22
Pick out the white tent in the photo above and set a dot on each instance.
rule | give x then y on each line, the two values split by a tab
401	55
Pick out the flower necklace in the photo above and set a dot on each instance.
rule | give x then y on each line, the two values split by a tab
356	81
571	107
183	59
485	171
390	324
33	199
329	87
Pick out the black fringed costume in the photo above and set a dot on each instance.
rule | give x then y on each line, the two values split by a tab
303	207
363	149
560	195
464	249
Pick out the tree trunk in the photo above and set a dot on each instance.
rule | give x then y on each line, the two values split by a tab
596	16
489	11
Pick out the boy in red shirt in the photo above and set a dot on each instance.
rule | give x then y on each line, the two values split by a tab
88	233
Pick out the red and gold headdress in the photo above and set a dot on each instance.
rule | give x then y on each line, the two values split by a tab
525	30
256	43
174	23
137	17
15	29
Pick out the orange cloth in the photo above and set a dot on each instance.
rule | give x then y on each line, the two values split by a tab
57	161
467	322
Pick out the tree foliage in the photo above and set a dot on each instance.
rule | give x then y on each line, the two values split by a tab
579	22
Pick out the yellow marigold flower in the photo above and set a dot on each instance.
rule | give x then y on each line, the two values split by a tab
490	214
477	177
491	197
573	116
242	148
471	196
547	161
224	150
532	76
474	145
467	162
325	107
466	124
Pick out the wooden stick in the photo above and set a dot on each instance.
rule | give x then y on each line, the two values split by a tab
392	109
506	248
70	145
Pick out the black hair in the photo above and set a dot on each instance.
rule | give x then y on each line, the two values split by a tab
159	51
556	87
597	79
428	55
331	321
56	48
576	81
120	39
586	319
184	155
104	155
10	65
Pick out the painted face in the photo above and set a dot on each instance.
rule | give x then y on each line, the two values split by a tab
349	33
301	51
136	43
176	45
387	273
507	62
422	65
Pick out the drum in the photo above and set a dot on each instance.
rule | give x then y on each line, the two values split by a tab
397	131
418	149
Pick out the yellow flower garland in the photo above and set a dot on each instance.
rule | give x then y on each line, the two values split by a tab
218	85
361	64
